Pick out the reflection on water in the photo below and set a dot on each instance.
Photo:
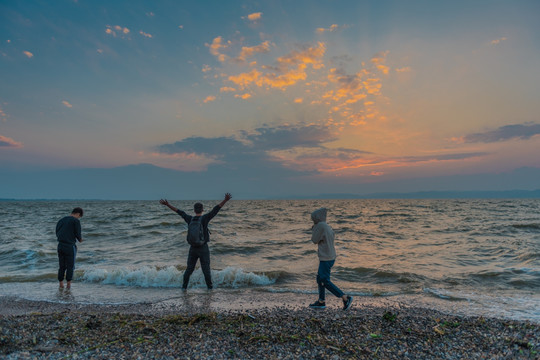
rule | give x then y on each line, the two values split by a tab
474	250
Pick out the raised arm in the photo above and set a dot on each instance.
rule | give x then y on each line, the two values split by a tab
228	197
166	203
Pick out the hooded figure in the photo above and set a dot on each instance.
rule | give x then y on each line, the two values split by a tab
323	235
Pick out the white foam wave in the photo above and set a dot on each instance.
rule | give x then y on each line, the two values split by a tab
148	276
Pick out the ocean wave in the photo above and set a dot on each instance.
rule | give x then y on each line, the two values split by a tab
379	275
533	226
170	276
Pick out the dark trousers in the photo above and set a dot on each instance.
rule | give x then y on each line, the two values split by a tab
66	261
323	280
198	253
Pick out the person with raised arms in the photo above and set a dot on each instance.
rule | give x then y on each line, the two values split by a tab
198	237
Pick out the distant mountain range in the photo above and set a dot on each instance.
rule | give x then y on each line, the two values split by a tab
512	194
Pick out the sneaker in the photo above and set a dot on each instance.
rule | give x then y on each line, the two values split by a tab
347	303
318	305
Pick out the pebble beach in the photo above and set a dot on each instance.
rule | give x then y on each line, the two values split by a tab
201	326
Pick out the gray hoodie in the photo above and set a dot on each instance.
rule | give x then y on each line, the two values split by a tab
323	235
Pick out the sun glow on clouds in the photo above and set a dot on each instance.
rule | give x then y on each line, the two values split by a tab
342	100
9	142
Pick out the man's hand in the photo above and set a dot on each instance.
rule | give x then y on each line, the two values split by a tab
228	197
164	202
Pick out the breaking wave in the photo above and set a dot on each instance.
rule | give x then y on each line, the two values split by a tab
171	277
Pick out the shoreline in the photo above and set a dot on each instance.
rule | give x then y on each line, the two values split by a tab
257	325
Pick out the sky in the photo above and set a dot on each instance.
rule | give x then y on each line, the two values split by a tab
268	98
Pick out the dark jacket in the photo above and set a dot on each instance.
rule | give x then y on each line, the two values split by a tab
205	219
68	230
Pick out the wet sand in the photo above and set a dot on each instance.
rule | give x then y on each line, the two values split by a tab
255	325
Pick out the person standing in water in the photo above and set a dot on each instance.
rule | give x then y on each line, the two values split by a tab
198	251
68	231
323	236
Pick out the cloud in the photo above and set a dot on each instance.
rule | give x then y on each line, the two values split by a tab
227	89
347	99
3	115
332	27
253	17
404	69
293	150
214	148
379	60
243	96
67	104
508	132
209	98
9	142
117	31
28	54
216	48
259	148
247	51
498	41
287	71
145	34
287	137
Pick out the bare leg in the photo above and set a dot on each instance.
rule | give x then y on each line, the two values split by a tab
61	284
69	284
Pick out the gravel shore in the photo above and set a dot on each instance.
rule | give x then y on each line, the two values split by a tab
41	330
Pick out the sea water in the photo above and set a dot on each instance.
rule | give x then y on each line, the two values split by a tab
478	257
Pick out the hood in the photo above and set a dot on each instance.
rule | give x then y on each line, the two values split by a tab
319	215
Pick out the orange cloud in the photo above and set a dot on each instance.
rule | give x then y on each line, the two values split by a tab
290	69
247	51
28	54
243	96
245	79
9	142
67	104
209	98
330	29
255	16
227	89
216	48
379	60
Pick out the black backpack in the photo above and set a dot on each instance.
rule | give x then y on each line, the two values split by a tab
195	233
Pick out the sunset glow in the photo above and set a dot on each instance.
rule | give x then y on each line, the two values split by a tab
315	91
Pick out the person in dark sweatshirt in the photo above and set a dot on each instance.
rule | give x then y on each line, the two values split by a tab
68	231
202	252
323	236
